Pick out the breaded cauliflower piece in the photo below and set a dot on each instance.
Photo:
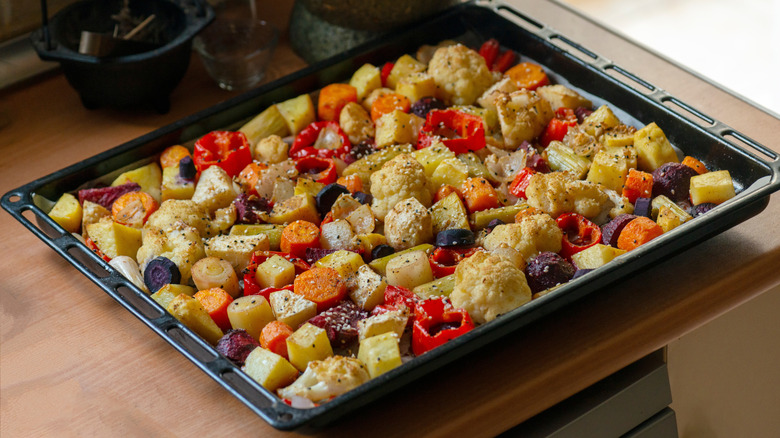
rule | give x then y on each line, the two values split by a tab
179	242
408	224
401	178
271	150
487	286
534	233
523	115
172	211
461	73
327	378
214	189
556	193
560	96
504	86
356	123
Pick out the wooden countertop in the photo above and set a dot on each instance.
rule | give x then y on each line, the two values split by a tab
75	363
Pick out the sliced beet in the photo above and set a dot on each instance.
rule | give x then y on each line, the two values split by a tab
643	207
159	272
328	196
340	323
700	209
611	231
673	180
548	269
106	196
250	208
455	237
236	345
422	107
313	254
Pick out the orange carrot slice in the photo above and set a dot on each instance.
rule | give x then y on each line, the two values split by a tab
274	336
389	103
298	236
333	98
249	176
638	232
353	183
528	75
171	156
133	209
638	185
695	164
479	194
323	286
216	302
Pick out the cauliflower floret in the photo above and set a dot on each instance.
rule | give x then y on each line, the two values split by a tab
172	211
561	97
534	233
215	189
556	193
327	378
486	285
408	224
271	150
523	116
461	73
401	178
504	86
179	242
356	123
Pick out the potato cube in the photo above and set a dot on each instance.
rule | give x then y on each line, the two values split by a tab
366	79
619	136
174	186
214	189
416	86
272	231
297	112
432	156
653	148
167	293
409	270
609	170
397	127
275	272
449	213
300	207
307	186
236	249
115	239
308	343
380	265
267	123
362	219
450	171
291	308
269	369
67	212
595	256
368	288
715	187
191	313
346	263
149	177
380	353
345	204
367	242
393	321
599	121
667	219
251	313
403	67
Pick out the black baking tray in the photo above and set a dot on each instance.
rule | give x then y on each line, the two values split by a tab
753	167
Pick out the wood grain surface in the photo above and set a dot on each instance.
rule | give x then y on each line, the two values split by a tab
74	363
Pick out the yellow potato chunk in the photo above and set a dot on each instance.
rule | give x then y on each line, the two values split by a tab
409	270
653	148
308	343
595	256
365	80
166	294
397	127
275	272
346	263
291	308
380	353
149	177
250	313
450	171
715	187
300	207
269	369
297	112
191	313
115	239
416	86
67	212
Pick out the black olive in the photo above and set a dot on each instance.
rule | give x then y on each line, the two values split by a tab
700	209
494	223
328	195
382	250
187	168
159	272
455	237
363	198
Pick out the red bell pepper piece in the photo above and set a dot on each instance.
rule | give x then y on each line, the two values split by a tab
506	60
322	170
251	287
92	246
521	181
489	50
227	149
385	72
443	261
459	131
578	234
303	145
436	322
395	297
558	127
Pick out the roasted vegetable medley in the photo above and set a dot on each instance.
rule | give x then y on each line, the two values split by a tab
337	235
